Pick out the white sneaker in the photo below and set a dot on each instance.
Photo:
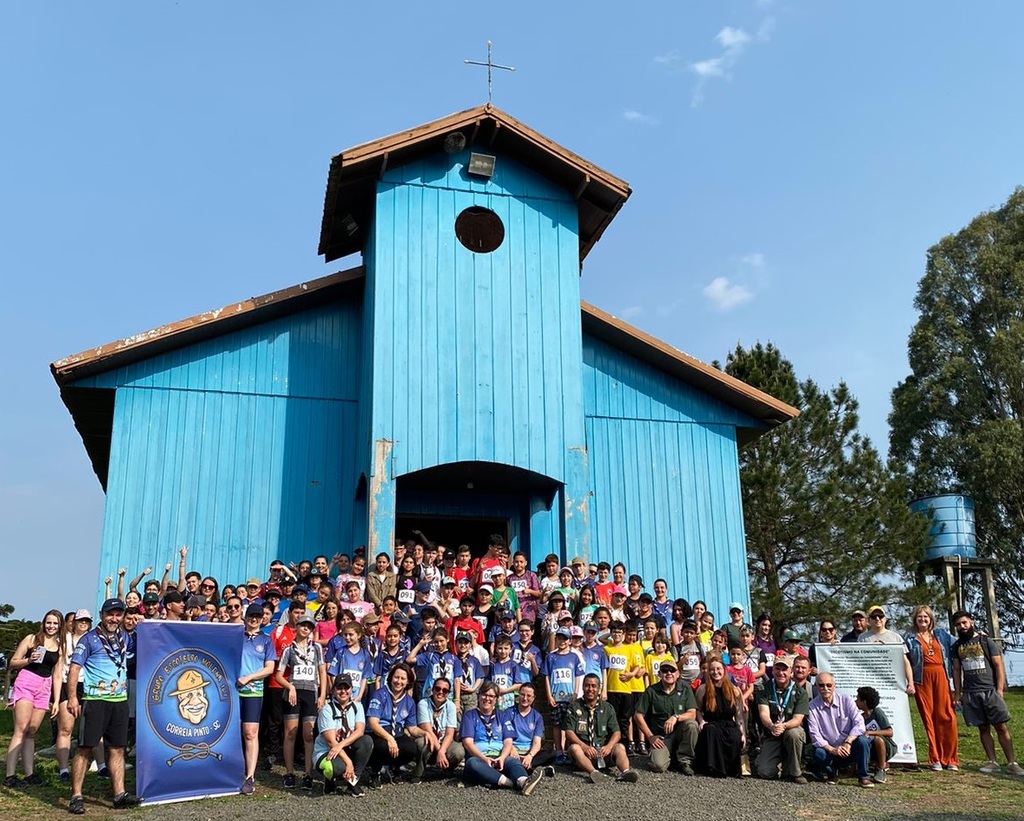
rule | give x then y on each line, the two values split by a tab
937	767
953	768
92	766
879	776
990	767
1013	768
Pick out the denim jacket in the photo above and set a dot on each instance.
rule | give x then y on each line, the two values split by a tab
945	641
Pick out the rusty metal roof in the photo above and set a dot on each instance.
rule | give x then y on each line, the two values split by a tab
700	375
353	176
92	408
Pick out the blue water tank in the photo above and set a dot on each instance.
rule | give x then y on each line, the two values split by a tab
952	532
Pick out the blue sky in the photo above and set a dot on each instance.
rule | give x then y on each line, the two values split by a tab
791	162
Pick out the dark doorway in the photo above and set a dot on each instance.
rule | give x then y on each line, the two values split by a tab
452	531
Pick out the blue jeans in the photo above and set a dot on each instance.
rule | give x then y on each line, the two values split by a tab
826	764
479	771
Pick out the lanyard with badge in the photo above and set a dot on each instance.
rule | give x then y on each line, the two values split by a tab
781	706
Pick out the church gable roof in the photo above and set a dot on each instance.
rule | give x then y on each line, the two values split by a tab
354	173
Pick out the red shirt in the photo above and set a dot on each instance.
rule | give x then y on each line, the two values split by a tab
282	636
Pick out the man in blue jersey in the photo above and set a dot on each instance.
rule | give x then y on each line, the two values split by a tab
258	662
100	664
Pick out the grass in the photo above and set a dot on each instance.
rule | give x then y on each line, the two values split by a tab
919	795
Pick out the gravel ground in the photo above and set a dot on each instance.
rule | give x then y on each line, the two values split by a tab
567	796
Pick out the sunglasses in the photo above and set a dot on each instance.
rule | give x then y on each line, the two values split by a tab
208	586
879	617
234	607
441	690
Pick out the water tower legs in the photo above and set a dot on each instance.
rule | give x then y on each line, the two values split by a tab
952	569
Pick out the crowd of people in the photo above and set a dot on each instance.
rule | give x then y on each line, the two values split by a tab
433	663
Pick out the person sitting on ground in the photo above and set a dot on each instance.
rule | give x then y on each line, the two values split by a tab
836	728
782	706
666	717
592	734
720	713
528	725
436	716
878	728
487	737
391	720
341	748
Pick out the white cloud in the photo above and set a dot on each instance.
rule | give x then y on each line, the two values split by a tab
715	67
672	60
725	295
730	38
754	259
632	312
633	116
766	30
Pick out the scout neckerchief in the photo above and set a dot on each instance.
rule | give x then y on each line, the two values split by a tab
781	707
115	646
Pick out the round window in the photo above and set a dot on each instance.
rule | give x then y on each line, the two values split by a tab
479	229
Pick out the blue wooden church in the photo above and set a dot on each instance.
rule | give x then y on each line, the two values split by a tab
454	382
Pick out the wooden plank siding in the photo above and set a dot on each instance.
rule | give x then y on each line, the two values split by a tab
665	479
243	447
476	357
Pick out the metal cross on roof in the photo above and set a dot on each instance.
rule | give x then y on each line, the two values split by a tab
490	65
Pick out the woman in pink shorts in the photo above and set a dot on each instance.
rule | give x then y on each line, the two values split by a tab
39	661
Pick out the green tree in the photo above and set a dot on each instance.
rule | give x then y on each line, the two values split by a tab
957	421
827	523
13	631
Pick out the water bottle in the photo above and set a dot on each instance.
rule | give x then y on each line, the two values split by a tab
599	762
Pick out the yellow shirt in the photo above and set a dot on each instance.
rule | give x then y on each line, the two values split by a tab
623	658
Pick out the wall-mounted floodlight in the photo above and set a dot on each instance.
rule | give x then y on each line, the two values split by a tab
481	165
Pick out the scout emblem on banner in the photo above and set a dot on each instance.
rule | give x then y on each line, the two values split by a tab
188	728
190	718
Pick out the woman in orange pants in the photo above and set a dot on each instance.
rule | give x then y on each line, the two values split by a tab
931	660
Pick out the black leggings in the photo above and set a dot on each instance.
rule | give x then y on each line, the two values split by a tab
380	757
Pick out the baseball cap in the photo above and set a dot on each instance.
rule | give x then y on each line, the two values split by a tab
151	598
563	632
565	615
464	637
879	608
498	571
566	569
448	580
576	632
638	579
254	610
423	587
860	613
576	560
646	598
371	618
590	627
791	635
270	594
619	590
505	613
173	597
782	661
668	663
306	618
110	605
300	588
735	606
82	615
485	588
253	582
398	617
194	601
342	679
